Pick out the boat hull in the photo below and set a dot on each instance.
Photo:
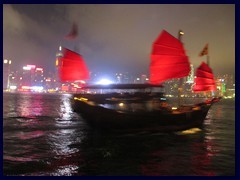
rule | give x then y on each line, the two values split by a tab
156	121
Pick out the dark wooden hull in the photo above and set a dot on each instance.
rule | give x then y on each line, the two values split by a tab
157	121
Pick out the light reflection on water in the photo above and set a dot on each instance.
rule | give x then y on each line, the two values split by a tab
60	140
43	136
65	112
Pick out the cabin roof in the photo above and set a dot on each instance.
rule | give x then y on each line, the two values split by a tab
122	86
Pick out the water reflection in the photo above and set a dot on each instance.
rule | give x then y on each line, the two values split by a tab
195	158
62	139
60	142
10	104
30	135
202	160
30	106
65	112
67	170
40	129
50	139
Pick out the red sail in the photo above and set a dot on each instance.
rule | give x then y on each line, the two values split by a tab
204	80
168	59
72	67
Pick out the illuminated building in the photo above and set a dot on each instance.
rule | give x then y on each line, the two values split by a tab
27	75
171	87
49	82
31	78
13	81
123	78
226	85
57	65
190	78
38	77
221	87
6	72
144	78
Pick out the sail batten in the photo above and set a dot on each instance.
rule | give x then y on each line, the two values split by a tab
204	74
204	80
166	50
72	67
168	59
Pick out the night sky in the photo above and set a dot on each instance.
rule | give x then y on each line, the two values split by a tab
117	38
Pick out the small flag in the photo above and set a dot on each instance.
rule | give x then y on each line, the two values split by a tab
73	33
204	51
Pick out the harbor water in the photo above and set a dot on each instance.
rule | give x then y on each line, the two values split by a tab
42	136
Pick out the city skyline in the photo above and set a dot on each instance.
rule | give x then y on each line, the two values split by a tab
117	38
32	78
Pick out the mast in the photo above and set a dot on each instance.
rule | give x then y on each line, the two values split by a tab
180	87
208	61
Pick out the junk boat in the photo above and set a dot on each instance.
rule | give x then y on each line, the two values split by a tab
142	107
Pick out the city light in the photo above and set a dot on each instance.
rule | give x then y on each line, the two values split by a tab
5	61
31	66
26	68
32	75
105	82
121	104
37	88
39	69
182	33
26	87
13	87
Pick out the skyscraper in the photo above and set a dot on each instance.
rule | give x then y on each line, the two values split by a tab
190	77
6	72
57	65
